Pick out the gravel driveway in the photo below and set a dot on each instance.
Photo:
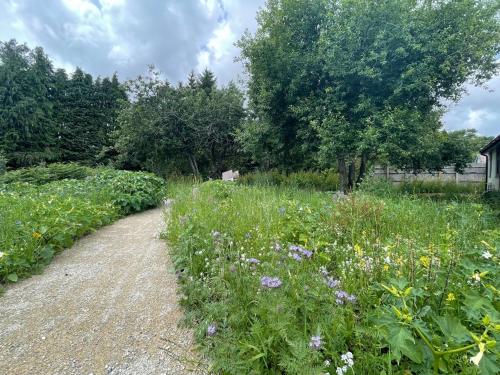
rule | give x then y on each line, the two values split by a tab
105	306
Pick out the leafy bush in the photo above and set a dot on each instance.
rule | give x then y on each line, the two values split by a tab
287	281
38	221
45	174
321	181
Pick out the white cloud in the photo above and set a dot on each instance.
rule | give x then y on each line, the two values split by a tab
104	36
479	109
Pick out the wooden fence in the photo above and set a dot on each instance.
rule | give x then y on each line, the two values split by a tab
474	173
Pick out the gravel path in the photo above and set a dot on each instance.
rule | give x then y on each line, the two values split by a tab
105	306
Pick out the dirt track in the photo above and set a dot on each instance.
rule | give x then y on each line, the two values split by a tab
105	306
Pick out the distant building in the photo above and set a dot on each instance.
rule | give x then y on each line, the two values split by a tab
492	153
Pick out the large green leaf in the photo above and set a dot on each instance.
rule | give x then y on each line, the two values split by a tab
489	365
402	342
475	306
452	329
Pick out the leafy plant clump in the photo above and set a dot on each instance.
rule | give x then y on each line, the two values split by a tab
45	174
37	221
279	280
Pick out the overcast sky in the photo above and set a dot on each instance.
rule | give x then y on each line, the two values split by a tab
177	36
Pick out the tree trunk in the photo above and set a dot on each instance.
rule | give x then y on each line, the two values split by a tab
350	176
342	175
362	169
194	165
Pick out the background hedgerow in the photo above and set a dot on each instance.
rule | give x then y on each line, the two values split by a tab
280	280
38	220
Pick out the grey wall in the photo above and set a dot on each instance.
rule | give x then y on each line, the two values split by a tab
474	173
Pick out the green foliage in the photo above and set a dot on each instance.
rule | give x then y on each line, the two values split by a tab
188	128
310	180
346	82
225	237
44	174
3	163
37	221
421	186
45	116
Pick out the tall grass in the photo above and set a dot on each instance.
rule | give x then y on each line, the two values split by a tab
330	258
310	180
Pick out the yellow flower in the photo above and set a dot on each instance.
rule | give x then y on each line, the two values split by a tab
425	261
450	297
386	267
36	235
358	250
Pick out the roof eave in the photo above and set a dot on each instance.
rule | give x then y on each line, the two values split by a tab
490	145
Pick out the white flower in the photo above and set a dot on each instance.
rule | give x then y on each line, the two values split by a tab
1	254
341	370
387	260
477	358
326	363
487	255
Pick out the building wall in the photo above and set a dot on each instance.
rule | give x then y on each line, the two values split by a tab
493	176
474	173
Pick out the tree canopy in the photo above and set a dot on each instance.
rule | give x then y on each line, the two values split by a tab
48	116
349	81
182	129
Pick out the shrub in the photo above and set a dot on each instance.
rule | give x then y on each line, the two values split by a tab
45	174
37	221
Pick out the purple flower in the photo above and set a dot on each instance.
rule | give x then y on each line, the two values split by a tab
306	253
341	294
211	330
332	283
315	342
323	271
282	210
253	261
270	282
342	297
351	298
277	246
301	250
215	234
296	257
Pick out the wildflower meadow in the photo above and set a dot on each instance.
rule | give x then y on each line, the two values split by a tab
277	280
